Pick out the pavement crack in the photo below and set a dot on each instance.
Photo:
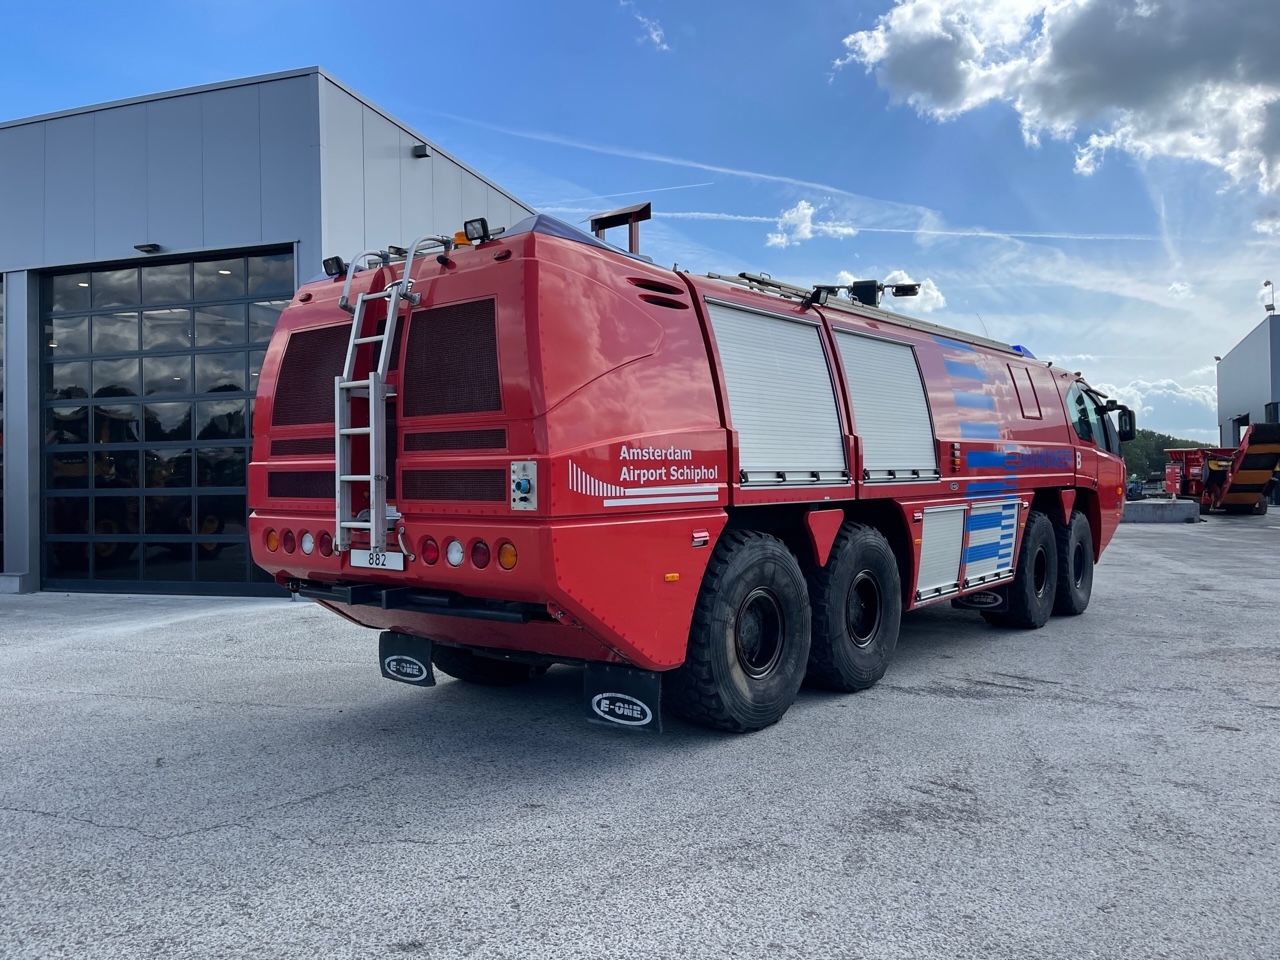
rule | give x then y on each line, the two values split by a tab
72	818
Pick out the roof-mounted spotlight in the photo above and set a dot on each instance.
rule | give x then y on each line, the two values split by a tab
334	266
1271	307
397	251
818	296
147	247
905	289
866	292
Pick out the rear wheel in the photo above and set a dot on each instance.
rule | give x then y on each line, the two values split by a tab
749	641
1034	586
1075	566
857	610
466	666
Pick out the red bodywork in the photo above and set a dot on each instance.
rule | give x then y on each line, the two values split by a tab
1222	477
610	381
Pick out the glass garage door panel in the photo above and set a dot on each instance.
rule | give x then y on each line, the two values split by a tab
149	374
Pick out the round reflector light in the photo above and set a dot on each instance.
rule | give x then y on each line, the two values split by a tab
289	541
480	554
326	544
430	551
273	541
308	543
507	556
453	553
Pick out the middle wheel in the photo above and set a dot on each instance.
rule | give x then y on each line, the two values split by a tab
857	610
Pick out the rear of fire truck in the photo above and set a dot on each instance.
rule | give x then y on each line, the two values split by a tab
514	458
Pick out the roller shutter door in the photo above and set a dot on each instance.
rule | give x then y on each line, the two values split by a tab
891	414
780	395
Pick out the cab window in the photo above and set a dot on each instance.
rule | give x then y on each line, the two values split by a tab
1078	410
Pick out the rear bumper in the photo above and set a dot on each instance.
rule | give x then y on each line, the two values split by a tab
614	590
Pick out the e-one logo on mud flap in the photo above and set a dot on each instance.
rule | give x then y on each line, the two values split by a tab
621	708
404	667
984	599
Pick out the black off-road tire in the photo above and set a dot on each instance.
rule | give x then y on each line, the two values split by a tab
466	666
749	640
1075	566
1237	509
1260	509
857	610
1031	595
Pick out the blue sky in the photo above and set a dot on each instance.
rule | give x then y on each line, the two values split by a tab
1095	179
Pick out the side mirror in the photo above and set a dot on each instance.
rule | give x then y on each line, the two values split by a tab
1127	425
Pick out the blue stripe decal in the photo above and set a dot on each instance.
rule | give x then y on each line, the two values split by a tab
980	487
983	521
985	551
965	371
955	344
972	430
983	459
980	401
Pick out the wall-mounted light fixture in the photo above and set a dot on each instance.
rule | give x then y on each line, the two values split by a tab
1271	307
147	247
420	151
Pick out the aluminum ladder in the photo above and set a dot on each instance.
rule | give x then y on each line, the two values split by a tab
347	388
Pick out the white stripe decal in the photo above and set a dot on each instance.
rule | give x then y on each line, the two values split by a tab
637	501
689	488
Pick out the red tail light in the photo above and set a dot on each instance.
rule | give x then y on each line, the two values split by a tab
288	541
326	545
430	551
480	554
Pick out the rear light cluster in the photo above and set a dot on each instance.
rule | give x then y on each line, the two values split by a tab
454	552
289	542
479	551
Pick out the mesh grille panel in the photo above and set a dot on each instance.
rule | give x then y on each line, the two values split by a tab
304	390
451	362
300	485
457	440
302	447
456	485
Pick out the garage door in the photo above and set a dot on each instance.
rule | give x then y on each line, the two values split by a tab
149	374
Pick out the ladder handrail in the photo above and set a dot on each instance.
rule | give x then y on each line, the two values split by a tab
344	301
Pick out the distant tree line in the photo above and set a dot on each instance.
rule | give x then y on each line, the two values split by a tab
1144	454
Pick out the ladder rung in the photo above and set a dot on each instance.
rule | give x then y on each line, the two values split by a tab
375	339
354	384
357	525
355	478
353	431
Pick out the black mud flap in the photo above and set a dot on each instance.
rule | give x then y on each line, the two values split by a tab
996	600
623	697
405	658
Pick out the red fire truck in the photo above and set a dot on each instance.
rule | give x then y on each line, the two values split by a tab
509	451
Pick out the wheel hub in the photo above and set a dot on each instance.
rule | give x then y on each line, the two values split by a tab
758	636
863	609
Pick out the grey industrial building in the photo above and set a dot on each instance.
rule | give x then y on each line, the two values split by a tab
1249	382
147	249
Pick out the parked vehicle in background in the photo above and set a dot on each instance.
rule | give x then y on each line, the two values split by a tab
1220	478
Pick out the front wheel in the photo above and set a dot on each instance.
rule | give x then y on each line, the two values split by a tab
1031	595
857	610
749	640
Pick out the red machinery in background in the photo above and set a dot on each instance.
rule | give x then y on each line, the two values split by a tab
1232	480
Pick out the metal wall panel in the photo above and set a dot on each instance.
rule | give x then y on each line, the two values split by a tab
68	189
942	538
475	199
890	412
290	135
341	171
175	174
119	181
382	197
418	216
1246	380
21	196
780	395
232	167
446	195
500	213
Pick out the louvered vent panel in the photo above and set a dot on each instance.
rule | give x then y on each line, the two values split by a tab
451	361
302	447
300	485
304	389
476	485
457	440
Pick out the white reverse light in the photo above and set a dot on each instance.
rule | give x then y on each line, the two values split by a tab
453	553
308	543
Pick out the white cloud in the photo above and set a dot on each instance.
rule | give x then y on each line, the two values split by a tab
1153	78
797	225
1143	395
652	31
1180	289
